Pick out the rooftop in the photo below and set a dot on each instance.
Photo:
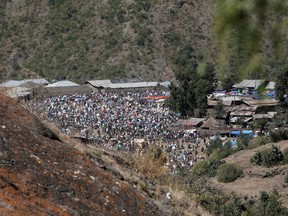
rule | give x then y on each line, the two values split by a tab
63	83
270	86
16	83
249	84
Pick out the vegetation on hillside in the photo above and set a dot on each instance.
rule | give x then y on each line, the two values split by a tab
100	39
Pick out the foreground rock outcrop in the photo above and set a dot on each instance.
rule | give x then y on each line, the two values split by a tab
40	175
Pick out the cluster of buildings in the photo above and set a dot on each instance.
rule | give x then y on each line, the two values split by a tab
249	101
25	89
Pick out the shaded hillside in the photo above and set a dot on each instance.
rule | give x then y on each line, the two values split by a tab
40	175
100	39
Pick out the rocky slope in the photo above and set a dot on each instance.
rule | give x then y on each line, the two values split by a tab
40	175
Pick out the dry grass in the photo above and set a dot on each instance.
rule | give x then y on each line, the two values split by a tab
151	166
254	181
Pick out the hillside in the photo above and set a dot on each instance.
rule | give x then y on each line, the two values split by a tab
256	178
41	175
100	39
131	38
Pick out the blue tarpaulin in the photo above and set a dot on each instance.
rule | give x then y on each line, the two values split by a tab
233	142
235	132
247	132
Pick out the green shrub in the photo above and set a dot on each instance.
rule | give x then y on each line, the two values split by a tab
228	172
214	144
281	134
268	157
256	159
219	154
285	155
207	167
259	141
272	156
243	141
286	178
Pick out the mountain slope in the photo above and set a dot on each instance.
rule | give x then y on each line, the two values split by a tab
40	175
100	39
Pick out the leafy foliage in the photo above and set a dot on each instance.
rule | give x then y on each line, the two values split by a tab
219	109
269	204
282	86
256	159
193	85
207	167
218	150
229	172
259	141
278	135
243	141
268	157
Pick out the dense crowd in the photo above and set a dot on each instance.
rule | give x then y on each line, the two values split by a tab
116	119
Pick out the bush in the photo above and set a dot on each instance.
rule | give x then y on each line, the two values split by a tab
286	178
228	172
285	155
259	141
256	159
219	154
243	141
272	156
207	167
214	144
268	157
281	134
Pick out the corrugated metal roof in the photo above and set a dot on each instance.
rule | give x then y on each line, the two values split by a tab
109	84
224	99
242	113
15	83
166	84
235	119
12	83
63	83
132	85
270	86
249	84
99	83
266	102
260	116
41	81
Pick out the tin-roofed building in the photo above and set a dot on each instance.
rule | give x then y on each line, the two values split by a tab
63	83
270	86
22	83
109	85
251	85
99	83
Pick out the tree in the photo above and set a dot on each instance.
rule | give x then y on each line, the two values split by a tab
282	86
195	80
219	109
270	204
262	124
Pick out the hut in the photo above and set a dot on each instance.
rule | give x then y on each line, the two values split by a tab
211	123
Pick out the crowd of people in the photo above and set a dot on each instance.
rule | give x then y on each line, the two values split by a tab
116	119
